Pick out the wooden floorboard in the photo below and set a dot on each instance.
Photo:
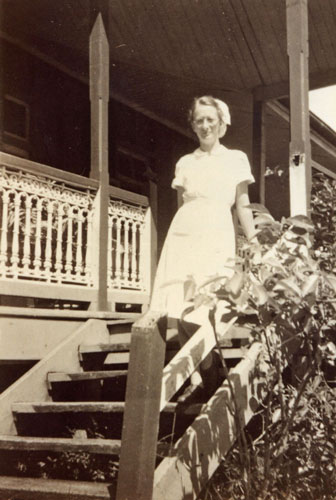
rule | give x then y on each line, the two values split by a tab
252	41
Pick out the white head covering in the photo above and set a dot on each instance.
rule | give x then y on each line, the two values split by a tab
224	109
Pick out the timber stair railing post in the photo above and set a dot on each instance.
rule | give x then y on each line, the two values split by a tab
150	254
142	408
99	97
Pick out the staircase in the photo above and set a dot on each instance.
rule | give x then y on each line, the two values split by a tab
66	444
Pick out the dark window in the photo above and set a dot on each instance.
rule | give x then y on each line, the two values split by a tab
16	118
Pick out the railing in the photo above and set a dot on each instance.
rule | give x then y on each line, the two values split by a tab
126	227
45	229
196	455
47	234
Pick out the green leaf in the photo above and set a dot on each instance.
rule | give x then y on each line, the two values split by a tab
260	294
301	221
213	280
264	274
290	285
264	218
310	285
331	280
299	230
236	283
258	207
243	303
270	259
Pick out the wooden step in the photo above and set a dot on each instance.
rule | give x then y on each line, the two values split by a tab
103	420
125	336
95	407
117	347
118	352
99	446
121	326
104	348
73	407
62	445
107	385
23	488
92	357
99	356
54	377
119	358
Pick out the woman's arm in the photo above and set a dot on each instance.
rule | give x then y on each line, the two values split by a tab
244	213
180	190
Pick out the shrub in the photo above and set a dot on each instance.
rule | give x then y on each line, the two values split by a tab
287	281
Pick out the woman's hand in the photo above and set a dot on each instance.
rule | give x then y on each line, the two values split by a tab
254	239
245	213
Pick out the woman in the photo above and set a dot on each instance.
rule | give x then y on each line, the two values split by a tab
200	243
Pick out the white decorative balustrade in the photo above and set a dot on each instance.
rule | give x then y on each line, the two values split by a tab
46	229
126	230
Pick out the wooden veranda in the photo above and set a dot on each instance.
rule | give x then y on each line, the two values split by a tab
71	237
162	53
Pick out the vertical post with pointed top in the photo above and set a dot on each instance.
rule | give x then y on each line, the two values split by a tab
142	408
300	149
99	97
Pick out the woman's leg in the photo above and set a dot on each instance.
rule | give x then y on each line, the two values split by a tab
185	331
209	374
208	369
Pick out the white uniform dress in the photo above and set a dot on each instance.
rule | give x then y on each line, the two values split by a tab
200	243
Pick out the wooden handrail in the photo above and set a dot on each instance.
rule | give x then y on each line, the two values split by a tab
128	196
149	388
142	408
56	174
185	362
197	454
75	180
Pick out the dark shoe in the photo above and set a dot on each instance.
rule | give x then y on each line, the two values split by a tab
192	394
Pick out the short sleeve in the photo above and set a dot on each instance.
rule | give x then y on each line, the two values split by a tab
178	180
243	169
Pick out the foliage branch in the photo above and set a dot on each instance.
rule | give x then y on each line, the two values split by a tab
286	283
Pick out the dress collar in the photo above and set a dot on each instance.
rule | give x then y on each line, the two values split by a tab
199	153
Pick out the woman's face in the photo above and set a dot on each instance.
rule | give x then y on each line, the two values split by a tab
206	124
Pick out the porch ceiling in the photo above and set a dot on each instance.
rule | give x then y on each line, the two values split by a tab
163	52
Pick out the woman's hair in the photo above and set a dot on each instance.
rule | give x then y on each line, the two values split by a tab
221	107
